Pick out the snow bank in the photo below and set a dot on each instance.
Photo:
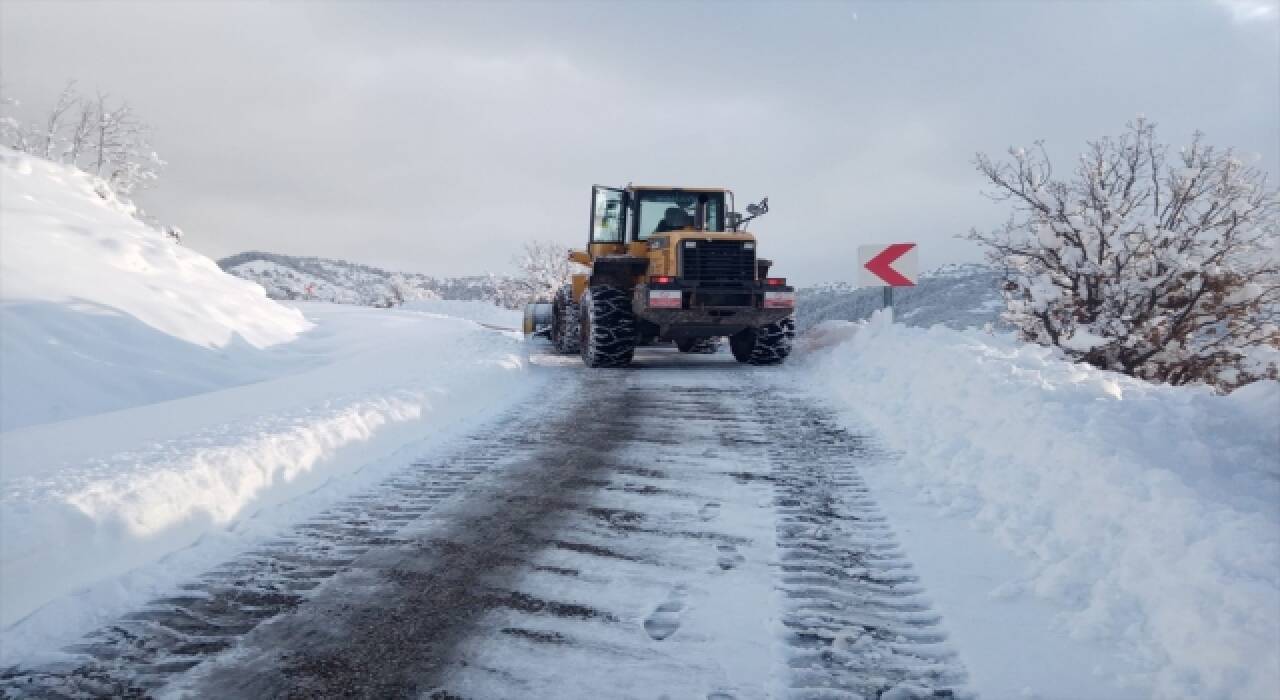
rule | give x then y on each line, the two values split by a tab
479	311
91	508
101	312
1147	514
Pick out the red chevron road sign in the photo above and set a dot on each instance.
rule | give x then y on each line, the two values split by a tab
892	265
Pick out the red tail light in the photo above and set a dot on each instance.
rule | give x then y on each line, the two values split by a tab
776	281
662	280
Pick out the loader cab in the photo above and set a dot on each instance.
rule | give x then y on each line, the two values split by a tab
634	214
661	211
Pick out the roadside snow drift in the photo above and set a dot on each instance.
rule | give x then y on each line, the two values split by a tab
95	510
160	414
101	312
1147	514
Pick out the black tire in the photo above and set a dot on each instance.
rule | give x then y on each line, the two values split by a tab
565	317
769	344
699	346
607	328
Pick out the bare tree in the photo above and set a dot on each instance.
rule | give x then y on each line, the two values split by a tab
53	122
106	134
1160	267
121	148
82	133
543	267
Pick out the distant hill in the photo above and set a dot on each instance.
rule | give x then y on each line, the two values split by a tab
342	282
957	296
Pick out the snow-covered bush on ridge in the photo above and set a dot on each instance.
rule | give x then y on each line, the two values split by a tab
1165	268
107	141
544	268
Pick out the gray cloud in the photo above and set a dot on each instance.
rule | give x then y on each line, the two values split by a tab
438	137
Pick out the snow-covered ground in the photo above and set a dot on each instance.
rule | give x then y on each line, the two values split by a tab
1084	534
91	507
160	414
101	312
478	311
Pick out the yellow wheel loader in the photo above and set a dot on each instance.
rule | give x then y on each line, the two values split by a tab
669	264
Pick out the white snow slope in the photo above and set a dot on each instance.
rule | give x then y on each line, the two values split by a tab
100	312
1144	518
102	511
479	311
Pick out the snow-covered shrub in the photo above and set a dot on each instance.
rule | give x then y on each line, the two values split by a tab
543	267
1160	266
104	140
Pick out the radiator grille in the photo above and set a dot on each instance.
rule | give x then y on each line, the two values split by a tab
717	261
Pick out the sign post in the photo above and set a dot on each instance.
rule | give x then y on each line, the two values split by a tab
888	265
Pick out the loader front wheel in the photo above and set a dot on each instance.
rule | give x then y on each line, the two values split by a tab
607	327
769	344
565	317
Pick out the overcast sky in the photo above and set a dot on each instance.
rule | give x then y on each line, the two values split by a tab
436	137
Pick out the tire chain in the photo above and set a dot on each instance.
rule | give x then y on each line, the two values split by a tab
773	342
567	320
611	337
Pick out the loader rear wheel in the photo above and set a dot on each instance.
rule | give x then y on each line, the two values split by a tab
699	346
769	344
565	317
608	327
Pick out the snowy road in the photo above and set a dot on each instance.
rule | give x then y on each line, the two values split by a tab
683	529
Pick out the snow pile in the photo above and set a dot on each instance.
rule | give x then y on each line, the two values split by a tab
101	312
482	312
94	511
1146	513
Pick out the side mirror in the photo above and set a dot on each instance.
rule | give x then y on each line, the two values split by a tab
753	209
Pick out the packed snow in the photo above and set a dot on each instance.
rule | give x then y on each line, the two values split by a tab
1142	516
101	312
479	311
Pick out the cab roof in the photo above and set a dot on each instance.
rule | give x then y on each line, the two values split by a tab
644	188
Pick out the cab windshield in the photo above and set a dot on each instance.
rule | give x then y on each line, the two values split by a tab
659	211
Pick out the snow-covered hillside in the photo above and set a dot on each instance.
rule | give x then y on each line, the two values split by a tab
160	414
290	277
1144	516
101	312
957	296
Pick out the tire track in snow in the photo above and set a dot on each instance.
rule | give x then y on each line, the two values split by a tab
857	623
681	528
139	653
